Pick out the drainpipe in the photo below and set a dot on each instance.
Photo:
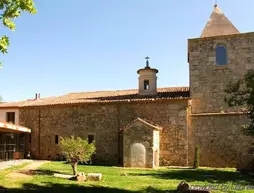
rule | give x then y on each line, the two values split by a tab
188	110
39	132
119	135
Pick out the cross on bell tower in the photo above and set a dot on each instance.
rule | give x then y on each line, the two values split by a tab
215	3
147	61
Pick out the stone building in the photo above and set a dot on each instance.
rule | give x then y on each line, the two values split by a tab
150	126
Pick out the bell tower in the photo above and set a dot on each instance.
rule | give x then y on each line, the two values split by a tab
219	56
147	80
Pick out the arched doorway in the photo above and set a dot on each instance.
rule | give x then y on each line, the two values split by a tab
138	155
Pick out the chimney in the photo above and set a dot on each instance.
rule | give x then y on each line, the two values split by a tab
36	96
39	95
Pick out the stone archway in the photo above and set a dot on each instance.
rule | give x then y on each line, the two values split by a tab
138	155
140	140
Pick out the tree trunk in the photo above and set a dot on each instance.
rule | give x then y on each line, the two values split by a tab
74	168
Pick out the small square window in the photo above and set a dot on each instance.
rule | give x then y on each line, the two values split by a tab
10	117
146	84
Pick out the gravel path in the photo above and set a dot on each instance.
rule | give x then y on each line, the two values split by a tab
26	172
7	164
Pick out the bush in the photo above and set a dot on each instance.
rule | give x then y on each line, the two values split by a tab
197	157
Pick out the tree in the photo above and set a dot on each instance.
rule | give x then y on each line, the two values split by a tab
9	10
241	93
76	149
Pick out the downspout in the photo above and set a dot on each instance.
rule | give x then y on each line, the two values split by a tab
119	135
39	132
189	128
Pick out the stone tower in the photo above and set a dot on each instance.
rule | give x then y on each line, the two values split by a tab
147	80
220	55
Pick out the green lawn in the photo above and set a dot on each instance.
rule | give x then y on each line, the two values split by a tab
164	180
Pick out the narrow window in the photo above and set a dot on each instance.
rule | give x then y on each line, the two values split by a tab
90	138
30	138
56	139
10	117
221	55
146	84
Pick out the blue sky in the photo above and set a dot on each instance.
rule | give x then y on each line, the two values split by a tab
90	45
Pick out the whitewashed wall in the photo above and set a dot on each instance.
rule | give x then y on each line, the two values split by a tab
3	115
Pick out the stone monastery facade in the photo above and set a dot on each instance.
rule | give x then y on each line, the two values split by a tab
150	126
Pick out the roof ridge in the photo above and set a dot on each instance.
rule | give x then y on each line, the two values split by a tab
164	93
120	90
98	91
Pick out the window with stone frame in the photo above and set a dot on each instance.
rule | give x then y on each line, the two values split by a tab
221	55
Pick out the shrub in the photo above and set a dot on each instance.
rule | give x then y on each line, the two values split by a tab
197	157
75	150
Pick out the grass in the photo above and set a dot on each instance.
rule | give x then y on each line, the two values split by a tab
164	180
3	173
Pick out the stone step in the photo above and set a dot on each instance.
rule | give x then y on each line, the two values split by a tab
94	176
63	176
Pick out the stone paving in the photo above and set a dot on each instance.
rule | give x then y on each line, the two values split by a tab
11	163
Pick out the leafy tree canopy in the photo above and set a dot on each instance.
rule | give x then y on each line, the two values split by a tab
9	10
76	149
241	93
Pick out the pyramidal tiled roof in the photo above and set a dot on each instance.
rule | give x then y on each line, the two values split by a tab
218	24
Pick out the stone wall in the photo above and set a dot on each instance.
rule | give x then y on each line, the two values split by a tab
105	120
172	117
30	119
220	138
74	120
207	80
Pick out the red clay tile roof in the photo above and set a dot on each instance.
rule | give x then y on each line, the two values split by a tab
104	97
